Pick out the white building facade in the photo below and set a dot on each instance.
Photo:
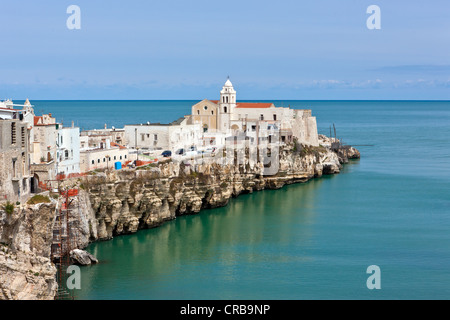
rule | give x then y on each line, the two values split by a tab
68	151
156	136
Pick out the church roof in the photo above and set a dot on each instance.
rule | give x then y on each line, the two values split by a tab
257	105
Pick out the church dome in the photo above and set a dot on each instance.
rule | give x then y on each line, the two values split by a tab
228	83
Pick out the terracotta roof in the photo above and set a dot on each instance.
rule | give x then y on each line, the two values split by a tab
214	101
113	144
36	120
253	105
8	109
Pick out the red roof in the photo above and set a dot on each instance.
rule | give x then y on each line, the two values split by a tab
253	105
214	101
113	144
8	109
36	120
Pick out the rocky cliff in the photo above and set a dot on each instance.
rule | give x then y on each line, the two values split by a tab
26	272
121	202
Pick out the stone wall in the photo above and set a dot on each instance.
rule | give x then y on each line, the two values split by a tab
14	162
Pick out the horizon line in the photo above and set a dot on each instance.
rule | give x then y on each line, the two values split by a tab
320	100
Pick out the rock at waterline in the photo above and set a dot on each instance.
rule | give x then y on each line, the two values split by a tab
82	257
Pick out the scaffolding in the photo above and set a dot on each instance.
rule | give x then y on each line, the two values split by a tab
65	240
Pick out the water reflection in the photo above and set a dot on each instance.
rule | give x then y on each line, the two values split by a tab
253	229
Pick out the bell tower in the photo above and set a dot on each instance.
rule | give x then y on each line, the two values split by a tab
227	104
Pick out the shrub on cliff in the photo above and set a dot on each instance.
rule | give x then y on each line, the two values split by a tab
39	199
8	207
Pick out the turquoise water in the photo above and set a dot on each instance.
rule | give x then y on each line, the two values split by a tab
306	241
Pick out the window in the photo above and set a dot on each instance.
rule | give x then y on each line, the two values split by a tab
13	133
125	156
23	136
66	154
114	157
274	117
142	137
227	99
93	161
155	137
261	117
205	108
253	128
198	111
104	159
98	161
212	112
224	109
14	167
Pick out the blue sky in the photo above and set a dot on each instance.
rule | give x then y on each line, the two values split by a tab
285	49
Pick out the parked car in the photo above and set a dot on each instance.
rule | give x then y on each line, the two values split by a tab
166	153
180	152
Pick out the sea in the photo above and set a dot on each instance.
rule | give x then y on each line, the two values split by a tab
316	240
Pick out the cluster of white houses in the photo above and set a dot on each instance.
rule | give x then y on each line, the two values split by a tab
36	150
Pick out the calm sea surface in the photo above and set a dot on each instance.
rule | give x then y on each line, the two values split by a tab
315	240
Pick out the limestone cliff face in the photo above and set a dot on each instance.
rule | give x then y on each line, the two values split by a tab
26	272
121	202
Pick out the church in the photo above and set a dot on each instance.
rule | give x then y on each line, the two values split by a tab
230	117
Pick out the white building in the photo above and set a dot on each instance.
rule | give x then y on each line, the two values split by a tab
68	151
157	136
230	117
104	157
